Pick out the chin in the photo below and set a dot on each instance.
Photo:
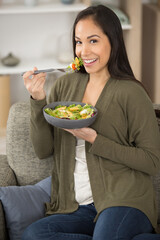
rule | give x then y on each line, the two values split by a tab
89	70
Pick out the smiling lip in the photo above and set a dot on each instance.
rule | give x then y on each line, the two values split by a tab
88	62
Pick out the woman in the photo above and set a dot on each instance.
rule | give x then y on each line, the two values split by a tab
101	184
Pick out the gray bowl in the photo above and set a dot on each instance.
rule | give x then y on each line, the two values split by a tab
67	123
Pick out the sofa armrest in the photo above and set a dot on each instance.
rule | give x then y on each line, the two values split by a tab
7	178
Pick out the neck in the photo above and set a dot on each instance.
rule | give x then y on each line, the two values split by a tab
99	78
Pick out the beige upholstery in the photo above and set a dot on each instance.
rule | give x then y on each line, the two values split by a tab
21	166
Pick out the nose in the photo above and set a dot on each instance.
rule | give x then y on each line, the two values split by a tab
85	50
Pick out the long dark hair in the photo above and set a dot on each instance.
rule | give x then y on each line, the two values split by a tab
118	64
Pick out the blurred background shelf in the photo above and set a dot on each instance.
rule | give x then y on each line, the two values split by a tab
28	64
56	7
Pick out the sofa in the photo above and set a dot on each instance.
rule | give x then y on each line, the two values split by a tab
21	167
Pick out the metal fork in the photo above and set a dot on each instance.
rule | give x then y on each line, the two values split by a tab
48	70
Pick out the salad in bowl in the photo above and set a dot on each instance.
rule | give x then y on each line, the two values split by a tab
70	115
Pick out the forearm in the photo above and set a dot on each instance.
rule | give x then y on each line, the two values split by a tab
138	145
140	159
41	132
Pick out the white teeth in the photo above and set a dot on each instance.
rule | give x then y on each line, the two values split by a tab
89	61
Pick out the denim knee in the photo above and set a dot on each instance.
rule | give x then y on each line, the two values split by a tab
30	233
147	236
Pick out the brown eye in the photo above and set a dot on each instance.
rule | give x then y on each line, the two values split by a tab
78	42
93	41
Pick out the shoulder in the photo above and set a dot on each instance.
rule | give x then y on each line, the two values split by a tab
132	97
70	78
70	81
128	86
132	90
65	81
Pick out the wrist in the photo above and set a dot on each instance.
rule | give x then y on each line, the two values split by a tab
38	97
93	138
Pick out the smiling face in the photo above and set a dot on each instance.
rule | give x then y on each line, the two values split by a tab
92	45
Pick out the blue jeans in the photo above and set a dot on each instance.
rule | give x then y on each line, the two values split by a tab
115	223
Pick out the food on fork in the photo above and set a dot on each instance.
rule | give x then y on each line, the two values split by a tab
75	64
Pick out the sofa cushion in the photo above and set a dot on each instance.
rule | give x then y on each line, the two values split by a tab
7	178
27	167
23	205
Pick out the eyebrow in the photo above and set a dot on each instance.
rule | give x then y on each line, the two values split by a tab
94	35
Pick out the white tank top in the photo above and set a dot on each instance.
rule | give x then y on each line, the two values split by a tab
83	193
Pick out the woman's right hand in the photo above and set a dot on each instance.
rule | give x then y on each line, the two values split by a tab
35	84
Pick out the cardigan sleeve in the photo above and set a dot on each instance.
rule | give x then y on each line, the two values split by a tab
143	150
42	132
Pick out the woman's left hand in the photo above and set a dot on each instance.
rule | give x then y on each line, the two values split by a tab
88	134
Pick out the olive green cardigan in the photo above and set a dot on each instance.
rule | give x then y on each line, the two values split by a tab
123	157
